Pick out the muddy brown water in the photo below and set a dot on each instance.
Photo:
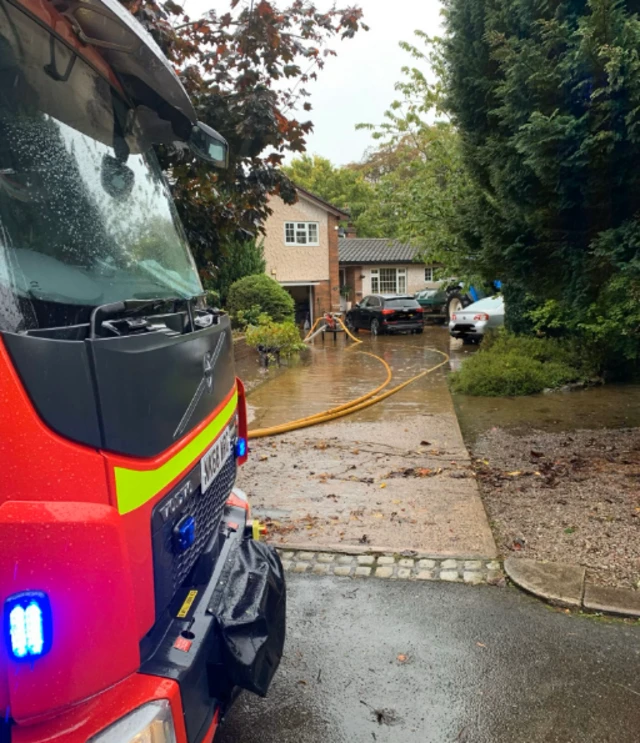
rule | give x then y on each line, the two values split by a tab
611	406
332	373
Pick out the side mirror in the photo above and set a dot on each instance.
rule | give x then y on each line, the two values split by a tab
209	146
357	305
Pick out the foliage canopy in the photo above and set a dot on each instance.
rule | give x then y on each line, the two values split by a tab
546	97
246	70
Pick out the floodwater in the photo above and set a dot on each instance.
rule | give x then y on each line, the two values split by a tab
333	373
611	406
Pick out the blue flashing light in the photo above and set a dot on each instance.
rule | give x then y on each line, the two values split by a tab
184	534
241	447
28	625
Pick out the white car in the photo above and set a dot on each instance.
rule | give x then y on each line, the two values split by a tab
473	321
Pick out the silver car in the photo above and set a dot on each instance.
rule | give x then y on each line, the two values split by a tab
473	321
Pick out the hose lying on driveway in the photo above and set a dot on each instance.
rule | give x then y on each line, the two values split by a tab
360	403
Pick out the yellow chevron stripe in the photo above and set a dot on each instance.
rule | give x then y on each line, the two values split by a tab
135	487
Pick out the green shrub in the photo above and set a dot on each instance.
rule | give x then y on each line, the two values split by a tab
253	316
263	292
212	298
280	339
508	365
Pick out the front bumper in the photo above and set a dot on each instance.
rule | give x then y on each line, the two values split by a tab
185	660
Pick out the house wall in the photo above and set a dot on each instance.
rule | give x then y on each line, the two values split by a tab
415	277
289	263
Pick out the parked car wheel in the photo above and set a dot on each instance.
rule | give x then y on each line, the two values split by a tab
419	331
375	327
350	325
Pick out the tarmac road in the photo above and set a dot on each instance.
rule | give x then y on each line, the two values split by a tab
477	664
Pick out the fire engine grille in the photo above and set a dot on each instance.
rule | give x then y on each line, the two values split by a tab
171	567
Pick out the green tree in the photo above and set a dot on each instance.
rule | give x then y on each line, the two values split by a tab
239	258
418	170
344	187
547	99
246	68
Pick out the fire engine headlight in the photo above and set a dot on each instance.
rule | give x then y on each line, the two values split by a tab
151	723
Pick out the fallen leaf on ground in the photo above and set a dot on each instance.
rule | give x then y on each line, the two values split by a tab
377	516
383	484
425	443
364	539
355	451
402	658
321	445
264	457
481	645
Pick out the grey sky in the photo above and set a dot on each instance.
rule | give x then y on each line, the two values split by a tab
358	85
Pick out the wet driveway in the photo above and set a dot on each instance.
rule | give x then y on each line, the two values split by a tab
394	477
401	662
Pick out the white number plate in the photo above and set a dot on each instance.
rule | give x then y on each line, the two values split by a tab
213	461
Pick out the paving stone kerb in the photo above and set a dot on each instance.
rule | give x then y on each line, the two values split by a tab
392	567
557	583
565	585
620	601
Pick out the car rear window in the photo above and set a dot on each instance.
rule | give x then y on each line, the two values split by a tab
402	302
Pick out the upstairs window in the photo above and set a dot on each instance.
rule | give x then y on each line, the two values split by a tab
301	233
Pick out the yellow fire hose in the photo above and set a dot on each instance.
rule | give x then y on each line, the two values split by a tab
347	408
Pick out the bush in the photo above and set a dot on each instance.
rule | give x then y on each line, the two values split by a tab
212	298
253	316
262	292
509	365
276	339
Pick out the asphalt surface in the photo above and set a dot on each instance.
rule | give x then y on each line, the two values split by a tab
476	664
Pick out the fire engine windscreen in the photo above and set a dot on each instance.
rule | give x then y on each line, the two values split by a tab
86	216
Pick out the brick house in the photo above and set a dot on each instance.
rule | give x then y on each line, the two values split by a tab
381	266
301	252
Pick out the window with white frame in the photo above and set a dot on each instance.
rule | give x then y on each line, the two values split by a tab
301	233
429	273
389	280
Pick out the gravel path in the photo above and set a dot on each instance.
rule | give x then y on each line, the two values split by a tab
566	497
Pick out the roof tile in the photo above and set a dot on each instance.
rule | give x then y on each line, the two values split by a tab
375	250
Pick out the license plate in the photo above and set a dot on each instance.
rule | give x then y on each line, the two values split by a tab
213	461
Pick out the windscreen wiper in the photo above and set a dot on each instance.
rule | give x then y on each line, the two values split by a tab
130	308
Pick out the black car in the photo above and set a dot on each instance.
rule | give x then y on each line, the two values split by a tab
386	313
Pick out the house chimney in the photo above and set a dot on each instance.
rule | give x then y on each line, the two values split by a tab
351	230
